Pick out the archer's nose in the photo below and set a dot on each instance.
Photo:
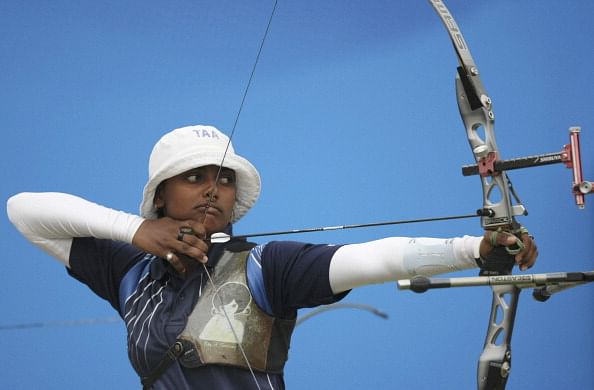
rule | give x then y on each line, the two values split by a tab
211	191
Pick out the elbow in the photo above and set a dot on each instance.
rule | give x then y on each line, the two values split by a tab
14	205
18	207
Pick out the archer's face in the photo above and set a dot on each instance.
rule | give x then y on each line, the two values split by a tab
187	195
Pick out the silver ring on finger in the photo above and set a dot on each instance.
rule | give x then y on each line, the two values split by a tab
169	257
183	231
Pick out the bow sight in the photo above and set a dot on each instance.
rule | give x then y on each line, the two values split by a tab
570	156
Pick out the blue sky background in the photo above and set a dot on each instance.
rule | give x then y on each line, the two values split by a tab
351	118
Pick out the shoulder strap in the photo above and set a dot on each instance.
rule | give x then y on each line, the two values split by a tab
170	357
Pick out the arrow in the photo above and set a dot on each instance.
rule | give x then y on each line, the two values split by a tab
220	237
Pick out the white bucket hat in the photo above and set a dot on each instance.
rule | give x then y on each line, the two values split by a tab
192	147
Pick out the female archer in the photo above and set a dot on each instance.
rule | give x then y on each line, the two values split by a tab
202	315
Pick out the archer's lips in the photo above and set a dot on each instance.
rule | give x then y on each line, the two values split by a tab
206	209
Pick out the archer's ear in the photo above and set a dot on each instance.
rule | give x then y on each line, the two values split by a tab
159	199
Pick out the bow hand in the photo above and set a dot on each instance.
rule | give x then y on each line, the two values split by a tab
500	251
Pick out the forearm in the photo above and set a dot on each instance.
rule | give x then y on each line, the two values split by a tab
397	258
50	220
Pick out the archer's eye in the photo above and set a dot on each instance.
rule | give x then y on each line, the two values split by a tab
194	177
227	177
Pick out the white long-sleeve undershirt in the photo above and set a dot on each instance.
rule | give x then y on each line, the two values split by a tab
398	258
51	220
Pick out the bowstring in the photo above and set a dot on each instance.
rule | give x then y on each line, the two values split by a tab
245	92
216	182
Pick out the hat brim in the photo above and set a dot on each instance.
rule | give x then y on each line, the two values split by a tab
247	180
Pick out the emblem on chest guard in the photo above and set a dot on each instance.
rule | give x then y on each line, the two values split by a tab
229	312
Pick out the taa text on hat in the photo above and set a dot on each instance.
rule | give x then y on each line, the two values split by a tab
206	133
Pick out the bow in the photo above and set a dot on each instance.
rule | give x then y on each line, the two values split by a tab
501	205
476	110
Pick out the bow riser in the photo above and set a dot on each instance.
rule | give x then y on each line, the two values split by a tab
498	210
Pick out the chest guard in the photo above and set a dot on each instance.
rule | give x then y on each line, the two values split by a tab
209	339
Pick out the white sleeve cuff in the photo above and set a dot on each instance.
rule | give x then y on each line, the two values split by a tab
467	247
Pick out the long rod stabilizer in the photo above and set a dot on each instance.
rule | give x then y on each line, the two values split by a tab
549	283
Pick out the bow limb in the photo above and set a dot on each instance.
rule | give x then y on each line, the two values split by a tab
498	211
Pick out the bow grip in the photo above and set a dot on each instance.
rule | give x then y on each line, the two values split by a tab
498	262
